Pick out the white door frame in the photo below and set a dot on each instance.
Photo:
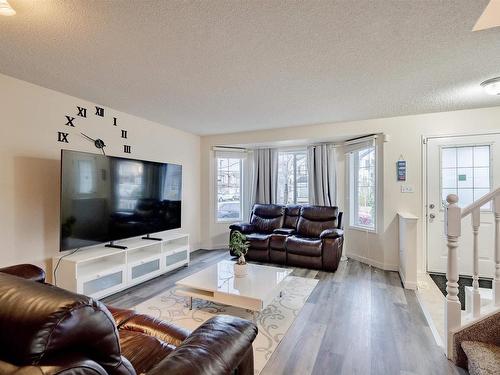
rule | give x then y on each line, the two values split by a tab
424	143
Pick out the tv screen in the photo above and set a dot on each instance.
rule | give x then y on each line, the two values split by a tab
105	198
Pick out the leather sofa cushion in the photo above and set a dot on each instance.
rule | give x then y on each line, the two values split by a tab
160	329
292	214
286	231
268	210
120	315
277	242
267	217
319	213
304	246
143	351
258	240
315	219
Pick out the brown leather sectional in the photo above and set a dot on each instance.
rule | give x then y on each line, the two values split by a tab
301	236
48	330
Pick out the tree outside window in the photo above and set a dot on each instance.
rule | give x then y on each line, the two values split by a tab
293	187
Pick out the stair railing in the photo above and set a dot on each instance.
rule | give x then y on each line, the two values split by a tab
453	227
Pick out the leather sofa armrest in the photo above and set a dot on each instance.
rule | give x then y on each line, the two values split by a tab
26	271
331	233
285	231
218	346
62	321
244	228
69	364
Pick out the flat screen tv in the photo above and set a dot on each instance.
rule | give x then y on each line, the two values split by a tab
105	198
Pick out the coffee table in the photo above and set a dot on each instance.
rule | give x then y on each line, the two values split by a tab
218	283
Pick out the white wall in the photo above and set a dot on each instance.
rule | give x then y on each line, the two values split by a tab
405	139
30	164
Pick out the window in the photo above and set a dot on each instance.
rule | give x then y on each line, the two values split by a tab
363	188
130	184
86	176
293	185
229	183
466	172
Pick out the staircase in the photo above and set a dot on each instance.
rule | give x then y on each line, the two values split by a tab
472	340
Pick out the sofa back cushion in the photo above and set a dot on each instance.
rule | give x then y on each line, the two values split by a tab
292	214
315	219
39	321
267	217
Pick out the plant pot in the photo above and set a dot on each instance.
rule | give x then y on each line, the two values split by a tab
240	270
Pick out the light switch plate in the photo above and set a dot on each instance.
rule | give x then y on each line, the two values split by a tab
407	189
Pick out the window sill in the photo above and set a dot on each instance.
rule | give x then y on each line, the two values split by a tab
228	221
363	229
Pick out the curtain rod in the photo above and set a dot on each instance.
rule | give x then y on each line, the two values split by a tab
360	139
224	148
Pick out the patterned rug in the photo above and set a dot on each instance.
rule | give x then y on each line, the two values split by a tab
273	321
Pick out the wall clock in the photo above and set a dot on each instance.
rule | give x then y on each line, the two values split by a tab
74	126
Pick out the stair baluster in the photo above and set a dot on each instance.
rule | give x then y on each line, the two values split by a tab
452	310
476	297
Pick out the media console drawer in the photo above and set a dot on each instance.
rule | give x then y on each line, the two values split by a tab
176	257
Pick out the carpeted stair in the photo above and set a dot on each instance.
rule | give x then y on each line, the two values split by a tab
482	358
477	346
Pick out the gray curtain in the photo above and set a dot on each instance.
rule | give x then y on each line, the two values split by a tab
322	175
264	176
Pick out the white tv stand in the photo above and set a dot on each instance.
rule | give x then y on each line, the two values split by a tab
100	271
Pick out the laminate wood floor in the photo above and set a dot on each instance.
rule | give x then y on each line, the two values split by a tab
358	320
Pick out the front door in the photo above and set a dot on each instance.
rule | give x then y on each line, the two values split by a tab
468	167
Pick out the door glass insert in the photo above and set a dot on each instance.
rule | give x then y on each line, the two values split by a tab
466	171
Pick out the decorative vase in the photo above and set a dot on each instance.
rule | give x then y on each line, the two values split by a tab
240	270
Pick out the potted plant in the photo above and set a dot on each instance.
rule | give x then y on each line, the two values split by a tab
239	246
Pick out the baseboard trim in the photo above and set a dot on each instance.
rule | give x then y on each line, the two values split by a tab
374	263
407	284
430	322
215	247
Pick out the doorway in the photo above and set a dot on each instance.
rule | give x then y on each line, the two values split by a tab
467	166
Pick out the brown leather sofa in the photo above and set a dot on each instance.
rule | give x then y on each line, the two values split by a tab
301	236
48	330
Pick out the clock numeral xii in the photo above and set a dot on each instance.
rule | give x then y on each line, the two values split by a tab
99	111
126	149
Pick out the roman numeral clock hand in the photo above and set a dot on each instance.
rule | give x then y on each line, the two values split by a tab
99	143
86	136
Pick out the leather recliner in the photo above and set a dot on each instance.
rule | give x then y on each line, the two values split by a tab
301	236
48	330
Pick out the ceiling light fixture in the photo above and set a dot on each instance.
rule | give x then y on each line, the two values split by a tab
6	9
491	86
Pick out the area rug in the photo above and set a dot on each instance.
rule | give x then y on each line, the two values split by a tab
273	321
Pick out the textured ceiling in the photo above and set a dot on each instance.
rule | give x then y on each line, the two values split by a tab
226	66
